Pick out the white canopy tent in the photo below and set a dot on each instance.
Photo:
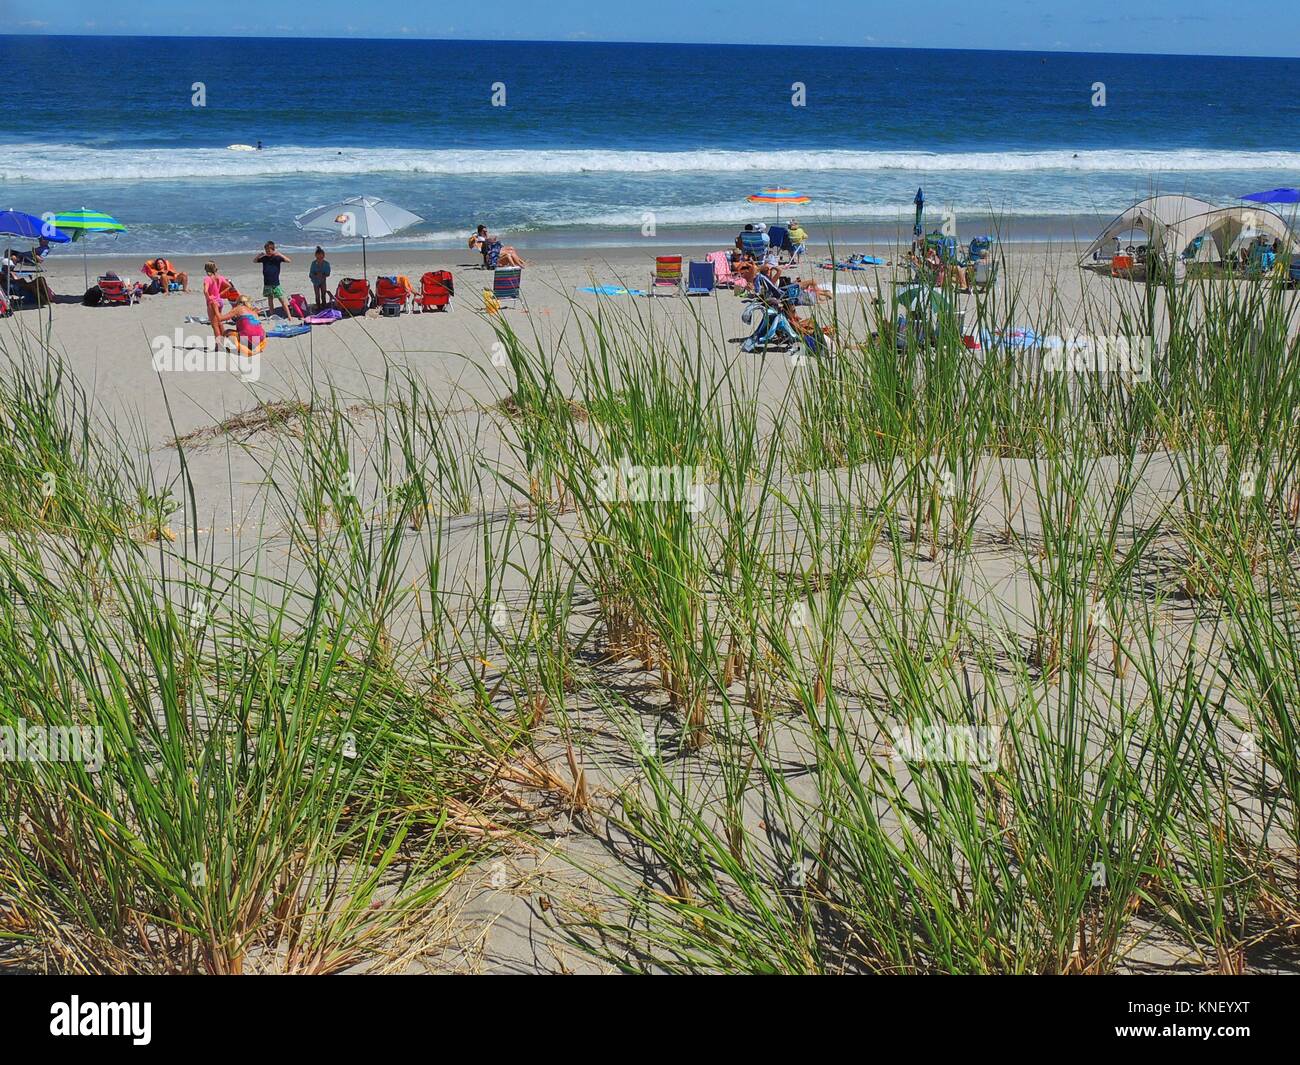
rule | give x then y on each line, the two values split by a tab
1155	217
1172	225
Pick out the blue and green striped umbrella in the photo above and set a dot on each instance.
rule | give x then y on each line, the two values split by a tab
80	224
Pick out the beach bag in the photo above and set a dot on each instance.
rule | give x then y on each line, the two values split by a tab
298	305
390	310
93	297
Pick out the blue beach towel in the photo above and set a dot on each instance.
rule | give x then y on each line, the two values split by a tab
611	290
282	331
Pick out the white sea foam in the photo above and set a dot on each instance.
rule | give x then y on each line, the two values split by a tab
73	163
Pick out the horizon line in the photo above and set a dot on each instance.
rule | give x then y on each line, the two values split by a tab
416	38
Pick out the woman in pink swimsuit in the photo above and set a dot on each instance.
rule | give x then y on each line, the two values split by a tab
248	331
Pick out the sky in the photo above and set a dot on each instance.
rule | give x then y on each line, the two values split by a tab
1198	27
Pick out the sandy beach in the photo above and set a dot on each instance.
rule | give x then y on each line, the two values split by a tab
242	442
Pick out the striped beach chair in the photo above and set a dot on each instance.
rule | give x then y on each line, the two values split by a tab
668	274
507	282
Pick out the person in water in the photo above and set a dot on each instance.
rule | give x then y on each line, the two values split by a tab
246	329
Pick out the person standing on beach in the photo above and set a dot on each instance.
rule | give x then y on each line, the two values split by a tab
213	284
271	261
319	272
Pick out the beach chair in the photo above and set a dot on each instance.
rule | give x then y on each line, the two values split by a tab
507	281
773	329
699	279
153	275
752	243
723	276
983	273
436	289
352	296
390	292
114	291
668	274
780	238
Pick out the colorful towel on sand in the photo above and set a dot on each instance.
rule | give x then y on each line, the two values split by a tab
611	290
325	317
1026	339
282	331
856	262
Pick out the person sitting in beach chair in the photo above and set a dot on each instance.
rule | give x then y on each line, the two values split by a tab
33	290
31	258
160	272
487	244
113	291
798	239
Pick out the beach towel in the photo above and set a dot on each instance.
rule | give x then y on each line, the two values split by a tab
857	262
326	317
288	330
611	290
1016	339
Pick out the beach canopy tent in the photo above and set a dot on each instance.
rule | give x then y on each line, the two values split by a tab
1155	217
1222	230
357	216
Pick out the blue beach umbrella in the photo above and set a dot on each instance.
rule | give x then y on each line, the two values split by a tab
1282	195
29	227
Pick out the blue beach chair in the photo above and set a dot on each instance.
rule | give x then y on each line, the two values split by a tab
752	243
699	279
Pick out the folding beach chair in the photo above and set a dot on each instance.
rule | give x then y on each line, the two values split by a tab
436	289
780	237
507	282
699	279
390	292
668	274
722	273
752	243
352	296
113	290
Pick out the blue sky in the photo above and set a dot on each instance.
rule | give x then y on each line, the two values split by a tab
1246	27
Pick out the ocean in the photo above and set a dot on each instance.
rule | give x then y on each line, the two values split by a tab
606	143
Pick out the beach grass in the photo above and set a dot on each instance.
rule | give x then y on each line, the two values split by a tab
890	659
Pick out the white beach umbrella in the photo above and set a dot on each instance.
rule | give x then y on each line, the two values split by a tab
357	216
